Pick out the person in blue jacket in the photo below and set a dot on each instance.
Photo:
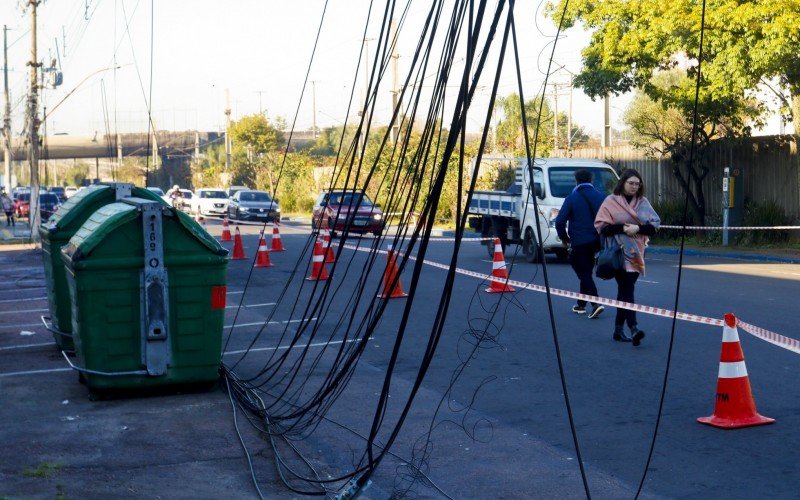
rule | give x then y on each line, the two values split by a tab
580	209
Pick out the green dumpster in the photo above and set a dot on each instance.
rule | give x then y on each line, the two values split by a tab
147	288
57	231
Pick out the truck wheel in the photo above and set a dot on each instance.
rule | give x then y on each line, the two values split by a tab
490	246
531	249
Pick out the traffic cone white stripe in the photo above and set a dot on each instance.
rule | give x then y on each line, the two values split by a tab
262	248
498	265
732	370
317	258
729	334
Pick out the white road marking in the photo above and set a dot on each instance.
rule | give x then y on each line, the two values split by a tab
23	346
249	306
35	372
282	347
24	300
24	311
259	323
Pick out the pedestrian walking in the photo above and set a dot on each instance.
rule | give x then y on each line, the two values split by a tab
8	208
579	210
627	218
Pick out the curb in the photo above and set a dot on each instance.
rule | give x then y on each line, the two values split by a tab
725	255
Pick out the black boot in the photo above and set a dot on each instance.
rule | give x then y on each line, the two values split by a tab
619	334
636	336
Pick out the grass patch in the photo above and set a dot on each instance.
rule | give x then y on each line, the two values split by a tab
45	470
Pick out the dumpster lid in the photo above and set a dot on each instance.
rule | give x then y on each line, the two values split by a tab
97	227
108	218
67	213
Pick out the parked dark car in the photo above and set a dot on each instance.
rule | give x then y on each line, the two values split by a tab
254	205
60	192
339	209
48	205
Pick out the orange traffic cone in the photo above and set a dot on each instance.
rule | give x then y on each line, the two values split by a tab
735	406
262	257
238	248
389	277
277	244
499	276
330	257
226	231
318	270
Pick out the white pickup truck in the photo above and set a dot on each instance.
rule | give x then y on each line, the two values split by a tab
509	215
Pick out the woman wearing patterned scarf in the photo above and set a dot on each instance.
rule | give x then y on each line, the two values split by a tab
628	218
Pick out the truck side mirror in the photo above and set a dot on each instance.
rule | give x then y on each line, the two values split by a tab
538	189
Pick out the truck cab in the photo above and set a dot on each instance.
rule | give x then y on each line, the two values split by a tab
510	215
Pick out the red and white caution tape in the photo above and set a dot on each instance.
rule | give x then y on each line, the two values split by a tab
771	337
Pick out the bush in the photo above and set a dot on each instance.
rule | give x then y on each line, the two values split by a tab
766	214
671	214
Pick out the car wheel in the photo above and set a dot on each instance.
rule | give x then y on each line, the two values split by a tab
531	249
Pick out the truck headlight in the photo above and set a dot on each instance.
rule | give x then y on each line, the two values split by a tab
377	216
553	214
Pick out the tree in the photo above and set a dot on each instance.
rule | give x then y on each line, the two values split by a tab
509	137
664	127
255	142
747	44
650	45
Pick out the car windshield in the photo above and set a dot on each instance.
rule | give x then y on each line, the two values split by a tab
187	194
24	196
350	199
213	194
254	196
48	199
156	190
562	180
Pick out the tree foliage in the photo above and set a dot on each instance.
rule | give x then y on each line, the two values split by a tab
746	44
509	136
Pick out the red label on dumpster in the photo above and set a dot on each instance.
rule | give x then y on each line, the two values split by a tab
218	296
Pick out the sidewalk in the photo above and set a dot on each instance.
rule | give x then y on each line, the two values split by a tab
20	233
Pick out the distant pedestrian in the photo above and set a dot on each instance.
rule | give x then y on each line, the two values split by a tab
8	208
627	218
176	197
579	210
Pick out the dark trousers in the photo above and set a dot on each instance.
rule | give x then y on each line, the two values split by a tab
9	218
626	281
582	261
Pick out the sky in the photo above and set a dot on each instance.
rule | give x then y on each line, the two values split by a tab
256	51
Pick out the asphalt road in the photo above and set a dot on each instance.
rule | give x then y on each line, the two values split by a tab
502	429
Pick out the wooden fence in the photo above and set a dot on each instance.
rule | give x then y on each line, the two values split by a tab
770	166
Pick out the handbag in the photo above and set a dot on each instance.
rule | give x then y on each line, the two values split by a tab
609	259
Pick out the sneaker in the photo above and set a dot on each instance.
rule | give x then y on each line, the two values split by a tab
596	311
579	309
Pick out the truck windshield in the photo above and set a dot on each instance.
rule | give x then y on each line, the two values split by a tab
562	180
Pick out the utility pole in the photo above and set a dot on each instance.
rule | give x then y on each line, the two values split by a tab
260	107
227	132
33	139
395	83
313	108
555	118
6	116
607	122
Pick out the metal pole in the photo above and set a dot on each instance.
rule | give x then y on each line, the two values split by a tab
7	116
555	119
227	131
313	109
33	146
607	122
395	84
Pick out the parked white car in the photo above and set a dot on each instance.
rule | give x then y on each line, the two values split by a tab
210	201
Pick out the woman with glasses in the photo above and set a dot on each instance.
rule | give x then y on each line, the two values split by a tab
628	220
